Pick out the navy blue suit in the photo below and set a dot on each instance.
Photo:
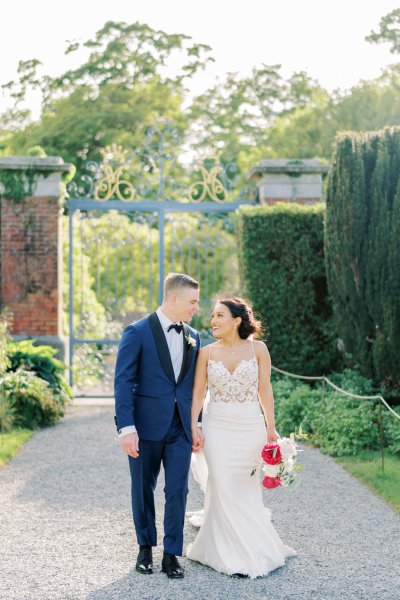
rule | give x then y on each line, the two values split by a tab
148	397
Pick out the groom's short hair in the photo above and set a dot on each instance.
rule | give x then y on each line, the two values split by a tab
176	281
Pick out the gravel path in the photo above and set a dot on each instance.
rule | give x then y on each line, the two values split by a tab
66	530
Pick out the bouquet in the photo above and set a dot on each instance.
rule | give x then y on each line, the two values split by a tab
279	463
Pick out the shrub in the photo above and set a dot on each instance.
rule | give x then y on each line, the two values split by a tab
346	426
34	402
339	425
33	389
5	320
296	405
392	432
283	273
354	382
41	361
7	411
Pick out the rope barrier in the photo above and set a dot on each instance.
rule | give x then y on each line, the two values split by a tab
338	389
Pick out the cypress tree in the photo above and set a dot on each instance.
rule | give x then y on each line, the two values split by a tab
362	249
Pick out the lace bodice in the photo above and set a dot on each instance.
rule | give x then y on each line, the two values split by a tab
239	386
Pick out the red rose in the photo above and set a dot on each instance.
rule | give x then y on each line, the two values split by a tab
271	482
271	454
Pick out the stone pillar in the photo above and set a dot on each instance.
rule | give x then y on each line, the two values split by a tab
289	180
31	247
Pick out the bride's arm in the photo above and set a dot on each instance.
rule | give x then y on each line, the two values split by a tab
199	389
265	392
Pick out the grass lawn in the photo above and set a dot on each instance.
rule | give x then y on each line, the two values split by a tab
11	442
367	468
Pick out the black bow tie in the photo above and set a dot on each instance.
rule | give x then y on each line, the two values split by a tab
178	328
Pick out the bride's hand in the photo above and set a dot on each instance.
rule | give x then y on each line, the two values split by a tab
197	439
272	436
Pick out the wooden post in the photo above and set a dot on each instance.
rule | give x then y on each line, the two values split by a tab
381	436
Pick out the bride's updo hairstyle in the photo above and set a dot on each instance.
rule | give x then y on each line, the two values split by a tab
239	307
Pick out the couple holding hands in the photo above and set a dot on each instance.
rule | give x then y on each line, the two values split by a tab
161	378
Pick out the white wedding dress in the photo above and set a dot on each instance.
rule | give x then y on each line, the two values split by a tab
236	534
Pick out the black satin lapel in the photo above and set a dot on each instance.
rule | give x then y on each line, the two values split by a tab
162	346
187	354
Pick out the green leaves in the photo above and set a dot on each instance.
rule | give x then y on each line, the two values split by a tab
34	402
7	411
283	273
39	360
389	31
33	389
362	249
337	424
129	54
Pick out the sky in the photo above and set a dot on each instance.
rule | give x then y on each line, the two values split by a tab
324	38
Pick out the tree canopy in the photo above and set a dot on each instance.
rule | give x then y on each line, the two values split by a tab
135	76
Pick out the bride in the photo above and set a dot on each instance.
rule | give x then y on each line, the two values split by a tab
236	536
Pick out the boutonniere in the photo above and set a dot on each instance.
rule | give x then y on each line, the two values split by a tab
190	341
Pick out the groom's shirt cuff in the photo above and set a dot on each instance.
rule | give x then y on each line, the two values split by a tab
199	424
126	430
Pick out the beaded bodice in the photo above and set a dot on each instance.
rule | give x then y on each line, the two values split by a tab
239	386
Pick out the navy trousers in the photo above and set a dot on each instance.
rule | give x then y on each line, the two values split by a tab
174	452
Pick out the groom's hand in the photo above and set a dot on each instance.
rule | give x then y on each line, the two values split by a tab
130	444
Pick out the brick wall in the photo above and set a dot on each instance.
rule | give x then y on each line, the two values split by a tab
29	261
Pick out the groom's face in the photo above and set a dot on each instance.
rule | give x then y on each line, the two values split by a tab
186	301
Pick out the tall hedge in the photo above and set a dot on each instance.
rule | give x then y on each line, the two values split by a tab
362	246
281	250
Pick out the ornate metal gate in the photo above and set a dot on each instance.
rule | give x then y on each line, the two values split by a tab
129	225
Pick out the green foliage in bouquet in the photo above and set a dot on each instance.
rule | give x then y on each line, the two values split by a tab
282	268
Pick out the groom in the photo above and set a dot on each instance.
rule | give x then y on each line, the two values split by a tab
153	394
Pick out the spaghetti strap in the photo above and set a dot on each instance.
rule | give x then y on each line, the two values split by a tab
252	345
209	351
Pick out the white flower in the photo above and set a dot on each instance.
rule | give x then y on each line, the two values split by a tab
288	448
288	464
191	341
271	470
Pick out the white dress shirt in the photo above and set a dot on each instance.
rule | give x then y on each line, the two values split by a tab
175	346
174	341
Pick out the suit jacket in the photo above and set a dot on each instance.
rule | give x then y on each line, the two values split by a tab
145	387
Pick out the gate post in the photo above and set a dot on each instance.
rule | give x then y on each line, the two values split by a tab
161	242
31	247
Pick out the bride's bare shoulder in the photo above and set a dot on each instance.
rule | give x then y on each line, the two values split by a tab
260	348
205	350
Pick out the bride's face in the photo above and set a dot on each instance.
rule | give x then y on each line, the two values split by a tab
222	321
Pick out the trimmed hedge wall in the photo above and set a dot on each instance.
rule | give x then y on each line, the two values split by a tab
362	245
281	253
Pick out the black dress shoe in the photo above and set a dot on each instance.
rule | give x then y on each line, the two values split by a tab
171	566
144	563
